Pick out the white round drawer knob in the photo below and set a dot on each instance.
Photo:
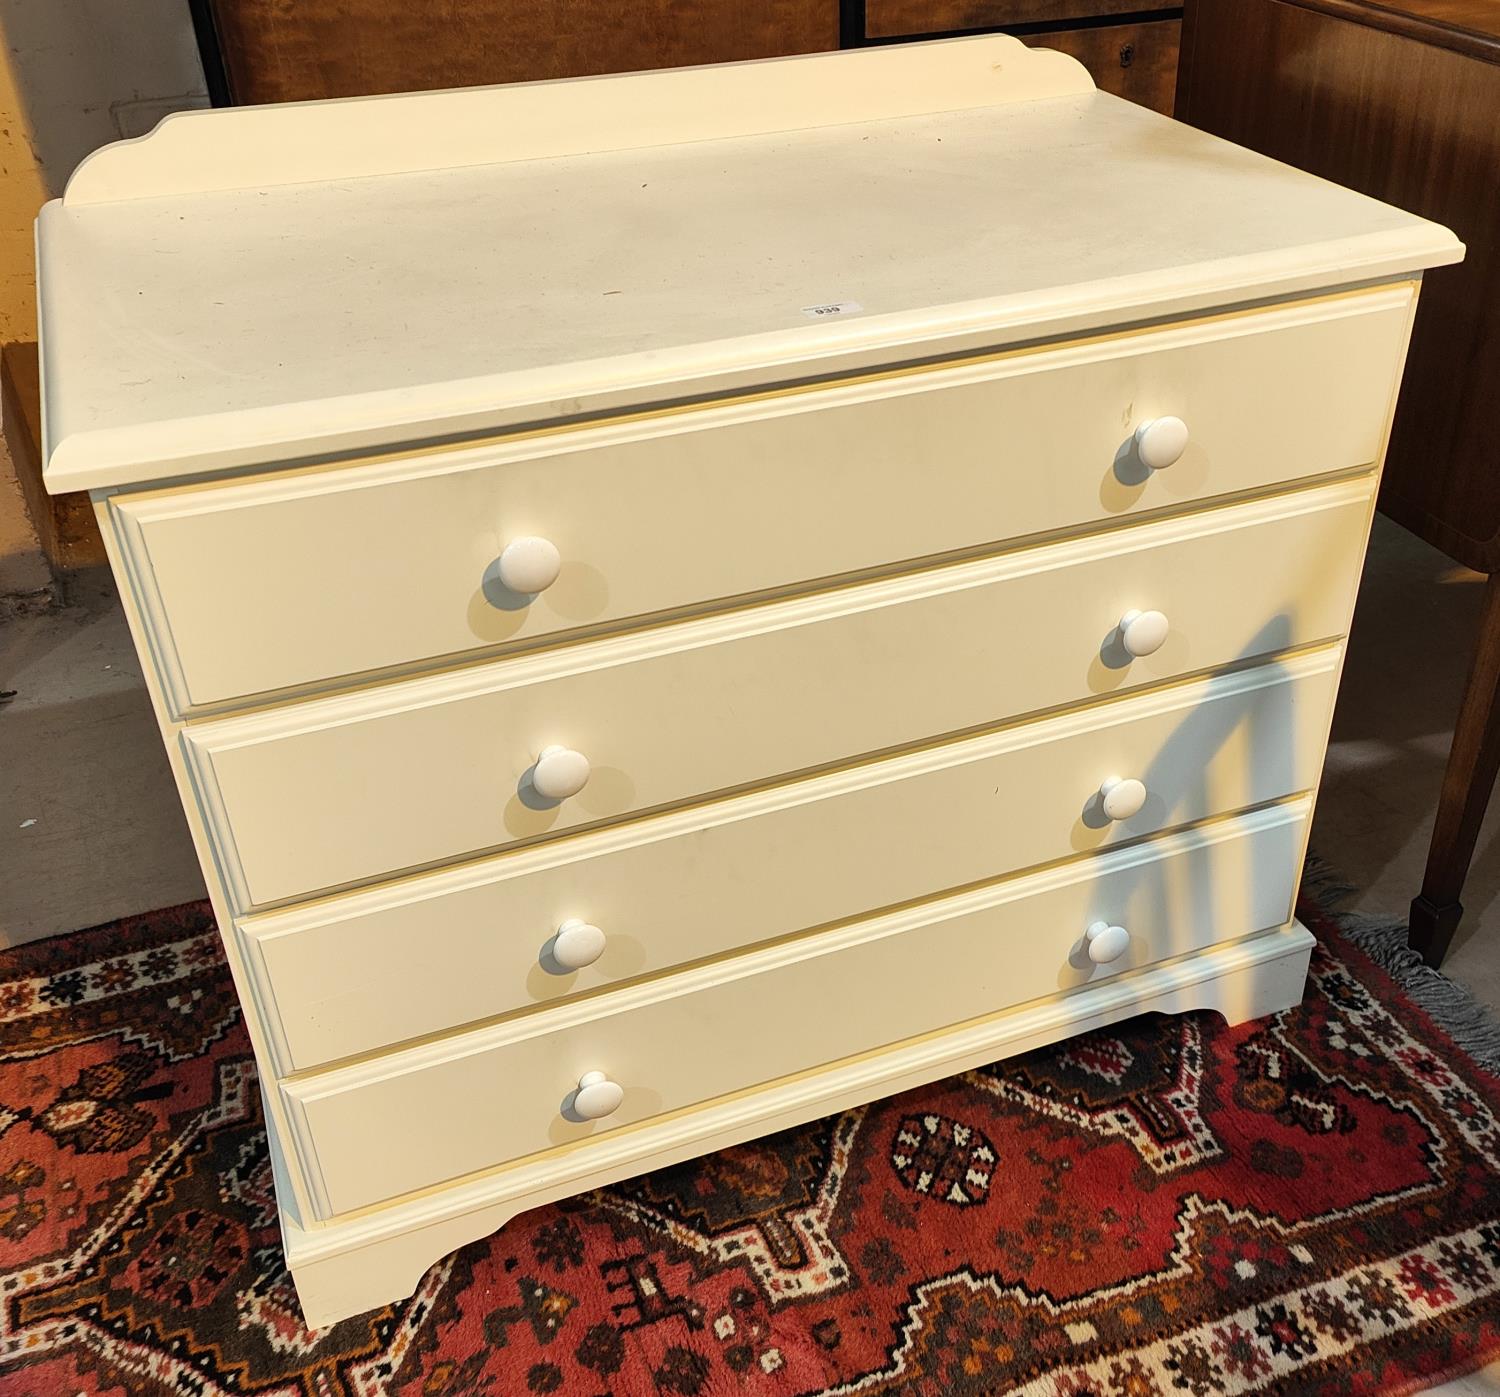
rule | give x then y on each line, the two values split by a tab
529	565
1105	942
1143	632
1161	441
577	944
1122	797
560	772
597	1096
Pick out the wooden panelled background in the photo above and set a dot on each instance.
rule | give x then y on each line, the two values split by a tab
272	51
278	52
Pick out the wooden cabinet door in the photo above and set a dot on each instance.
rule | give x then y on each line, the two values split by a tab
276	52
1132	59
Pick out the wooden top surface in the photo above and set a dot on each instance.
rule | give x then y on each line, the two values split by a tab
220	328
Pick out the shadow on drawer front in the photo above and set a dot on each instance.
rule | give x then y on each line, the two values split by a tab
831	997
335	977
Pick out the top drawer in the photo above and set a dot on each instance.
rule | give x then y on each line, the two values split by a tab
293	579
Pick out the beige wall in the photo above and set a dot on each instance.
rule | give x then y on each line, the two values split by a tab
22	190
74	75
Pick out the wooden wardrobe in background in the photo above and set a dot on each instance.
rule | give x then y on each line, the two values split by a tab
269	51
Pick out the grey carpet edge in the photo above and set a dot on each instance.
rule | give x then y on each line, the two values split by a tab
1473	1026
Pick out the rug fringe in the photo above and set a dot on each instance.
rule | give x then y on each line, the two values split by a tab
1324	883
1474	1026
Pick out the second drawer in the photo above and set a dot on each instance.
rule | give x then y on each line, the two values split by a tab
362	972
337	791
384	1127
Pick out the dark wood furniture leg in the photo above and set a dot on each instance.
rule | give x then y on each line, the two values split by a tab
1467	783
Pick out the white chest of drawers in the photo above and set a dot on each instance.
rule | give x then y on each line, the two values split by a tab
682	602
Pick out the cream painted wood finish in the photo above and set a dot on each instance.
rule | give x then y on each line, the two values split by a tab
415	133
846	992
302	795
650	515
820	397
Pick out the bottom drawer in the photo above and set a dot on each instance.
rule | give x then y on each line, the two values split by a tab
377	1129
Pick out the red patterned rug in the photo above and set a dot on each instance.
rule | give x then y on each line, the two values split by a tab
1305	1205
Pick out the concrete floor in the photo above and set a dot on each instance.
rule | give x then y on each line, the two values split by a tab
90	829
